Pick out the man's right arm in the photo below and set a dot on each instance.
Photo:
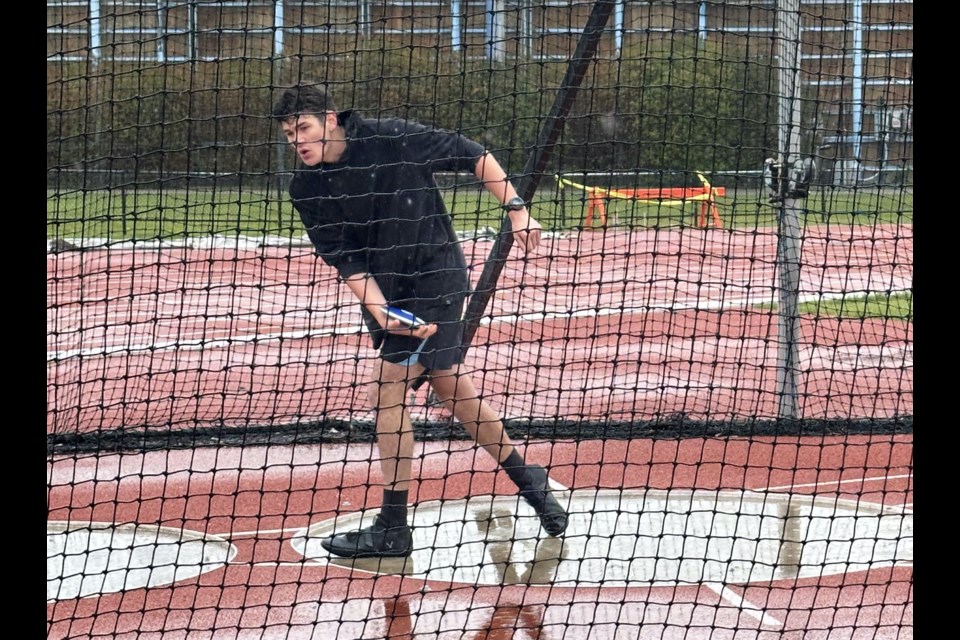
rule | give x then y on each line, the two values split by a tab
334	249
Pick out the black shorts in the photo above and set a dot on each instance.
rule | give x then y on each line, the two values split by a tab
434	300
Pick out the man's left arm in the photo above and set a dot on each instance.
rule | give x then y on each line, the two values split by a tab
443	150
526	230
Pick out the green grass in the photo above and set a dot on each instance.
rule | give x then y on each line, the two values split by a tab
174	214
896	306
141	215
149	215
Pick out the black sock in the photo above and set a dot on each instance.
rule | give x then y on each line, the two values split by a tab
516	468
394	509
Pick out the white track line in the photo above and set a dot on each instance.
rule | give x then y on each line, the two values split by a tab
828	483
305	563
196	344
906	508
259	532
747	607
202	343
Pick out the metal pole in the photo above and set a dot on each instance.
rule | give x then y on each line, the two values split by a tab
618	27
857	90
702	20
123	211
455	24
192	26
278	44
884	145
495	31
277	29
161	31
788	244
95	52
365	17
526	29
488	27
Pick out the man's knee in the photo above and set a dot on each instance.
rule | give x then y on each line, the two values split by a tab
453	383
389	384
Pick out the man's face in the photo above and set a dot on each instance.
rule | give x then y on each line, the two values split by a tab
309	135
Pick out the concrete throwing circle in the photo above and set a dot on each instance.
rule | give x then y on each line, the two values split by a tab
94	558
637	538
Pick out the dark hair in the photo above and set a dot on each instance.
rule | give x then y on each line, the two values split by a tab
303	99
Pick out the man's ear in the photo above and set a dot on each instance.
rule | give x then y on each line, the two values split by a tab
331	120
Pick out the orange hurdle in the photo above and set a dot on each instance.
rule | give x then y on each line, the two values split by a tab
706	194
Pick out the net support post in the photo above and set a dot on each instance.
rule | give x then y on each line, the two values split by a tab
788	319
788	21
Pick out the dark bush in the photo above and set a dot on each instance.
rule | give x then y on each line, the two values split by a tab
684	106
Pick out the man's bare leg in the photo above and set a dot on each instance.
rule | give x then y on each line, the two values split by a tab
390	534
462	399
388	393
456	389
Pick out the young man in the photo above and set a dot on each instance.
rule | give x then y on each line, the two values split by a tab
374	213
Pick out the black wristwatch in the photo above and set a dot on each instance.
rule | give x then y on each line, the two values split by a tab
514	204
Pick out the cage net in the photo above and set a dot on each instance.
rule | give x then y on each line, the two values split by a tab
711	349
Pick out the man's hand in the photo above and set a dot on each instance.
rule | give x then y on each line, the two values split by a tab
526	230
422	331
397	320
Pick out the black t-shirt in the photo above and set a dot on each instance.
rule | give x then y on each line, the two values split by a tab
378	209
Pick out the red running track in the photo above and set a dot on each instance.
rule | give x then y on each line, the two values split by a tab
621	325
264	503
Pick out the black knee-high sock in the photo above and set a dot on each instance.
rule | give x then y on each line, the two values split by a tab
394	509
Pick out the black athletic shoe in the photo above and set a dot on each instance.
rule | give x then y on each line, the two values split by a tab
374	541
536	491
